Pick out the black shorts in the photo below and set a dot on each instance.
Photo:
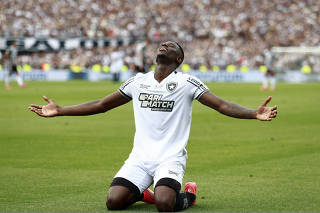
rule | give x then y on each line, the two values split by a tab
169	182
13	69
119	181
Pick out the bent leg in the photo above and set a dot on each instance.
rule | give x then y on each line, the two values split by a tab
165	198
19	80
7	81
264	83
119	197
168	197
166	191
273	83
122	194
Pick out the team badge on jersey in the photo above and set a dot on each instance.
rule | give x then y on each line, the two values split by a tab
172	86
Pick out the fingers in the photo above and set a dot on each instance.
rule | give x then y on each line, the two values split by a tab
269	114
38	111
35	106
46	99
273	115
267	101
40	107
273	112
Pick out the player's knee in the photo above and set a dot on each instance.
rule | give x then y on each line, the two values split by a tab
165	203
114	203
119	197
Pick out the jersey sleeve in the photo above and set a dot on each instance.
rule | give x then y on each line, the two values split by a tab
197	87
126	88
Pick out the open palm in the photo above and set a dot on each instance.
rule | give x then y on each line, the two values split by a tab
265	113
49	110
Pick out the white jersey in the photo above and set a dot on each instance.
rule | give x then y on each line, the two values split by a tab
162	114
13	53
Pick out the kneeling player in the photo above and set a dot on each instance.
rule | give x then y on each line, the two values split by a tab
162	102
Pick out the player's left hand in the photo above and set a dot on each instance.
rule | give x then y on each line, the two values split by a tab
50	110
265	113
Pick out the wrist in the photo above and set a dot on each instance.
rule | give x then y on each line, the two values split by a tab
59	111
255	114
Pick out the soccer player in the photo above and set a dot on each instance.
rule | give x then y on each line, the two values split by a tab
162	102
269	77
12	52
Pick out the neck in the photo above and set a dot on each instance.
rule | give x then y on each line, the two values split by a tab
163	70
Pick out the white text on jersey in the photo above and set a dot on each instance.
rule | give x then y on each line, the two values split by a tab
154	102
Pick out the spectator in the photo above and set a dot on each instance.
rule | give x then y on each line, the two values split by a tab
223	30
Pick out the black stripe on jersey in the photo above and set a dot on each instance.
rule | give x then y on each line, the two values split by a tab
125	95
199	87
130	80
201	94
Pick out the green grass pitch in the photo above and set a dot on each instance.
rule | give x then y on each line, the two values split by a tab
66	164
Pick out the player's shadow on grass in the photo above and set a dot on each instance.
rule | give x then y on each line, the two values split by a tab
141	207
145	207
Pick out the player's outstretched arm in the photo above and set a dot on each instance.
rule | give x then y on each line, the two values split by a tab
93	107
263	113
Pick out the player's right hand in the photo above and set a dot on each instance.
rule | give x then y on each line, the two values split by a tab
265	113
49	110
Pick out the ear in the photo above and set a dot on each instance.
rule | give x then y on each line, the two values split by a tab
179	60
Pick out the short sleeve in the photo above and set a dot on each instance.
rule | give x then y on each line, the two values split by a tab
126	88
197	87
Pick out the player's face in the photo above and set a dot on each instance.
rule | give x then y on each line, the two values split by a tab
169	50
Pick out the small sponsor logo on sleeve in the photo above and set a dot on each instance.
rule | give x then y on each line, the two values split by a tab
143	86
173	173
197	84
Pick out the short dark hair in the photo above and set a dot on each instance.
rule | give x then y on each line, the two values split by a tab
181	50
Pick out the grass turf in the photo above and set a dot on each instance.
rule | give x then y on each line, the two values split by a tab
66	164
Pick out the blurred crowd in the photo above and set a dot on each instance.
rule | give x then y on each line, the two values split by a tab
212	32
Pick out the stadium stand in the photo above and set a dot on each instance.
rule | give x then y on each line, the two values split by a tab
212	32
